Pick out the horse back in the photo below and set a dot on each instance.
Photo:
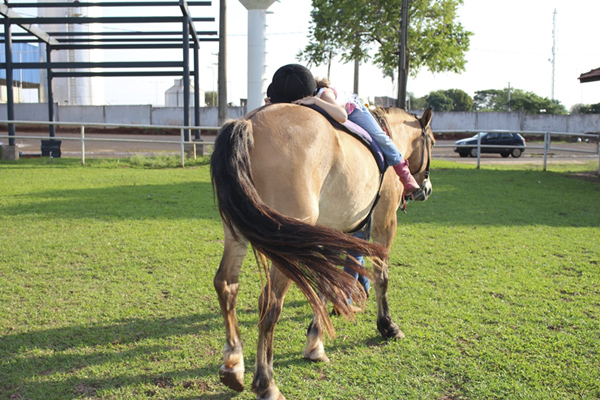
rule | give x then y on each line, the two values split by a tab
304	167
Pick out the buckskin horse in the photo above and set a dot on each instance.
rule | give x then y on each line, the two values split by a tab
292	185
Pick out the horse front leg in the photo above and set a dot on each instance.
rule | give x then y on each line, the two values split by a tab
384	230
385	325
270	306
227	285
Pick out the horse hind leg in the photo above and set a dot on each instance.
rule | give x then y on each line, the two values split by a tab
314	350
270	306
226	284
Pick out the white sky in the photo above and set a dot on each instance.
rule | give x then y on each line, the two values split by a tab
512	43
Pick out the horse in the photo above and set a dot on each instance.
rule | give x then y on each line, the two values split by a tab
293	185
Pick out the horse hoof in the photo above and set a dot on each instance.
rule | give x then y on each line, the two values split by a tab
317	357
232	378
390	331
272	393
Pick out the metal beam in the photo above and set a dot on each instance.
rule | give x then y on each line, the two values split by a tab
109	64
108	4
116	73
105	20
124	46
123	33
20	21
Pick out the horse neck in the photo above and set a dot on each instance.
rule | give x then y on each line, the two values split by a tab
405	129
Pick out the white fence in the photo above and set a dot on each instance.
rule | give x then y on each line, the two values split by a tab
82	138
547	145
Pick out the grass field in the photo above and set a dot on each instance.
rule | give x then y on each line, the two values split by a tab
106	290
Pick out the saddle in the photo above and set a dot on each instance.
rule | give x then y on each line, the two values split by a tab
360	134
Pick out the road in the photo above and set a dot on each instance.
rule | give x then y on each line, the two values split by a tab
442	150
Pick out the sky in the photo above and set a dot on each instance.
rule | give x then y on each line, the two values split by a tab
511	45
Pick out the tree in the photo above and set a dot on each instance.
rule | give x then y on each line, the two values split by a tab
417	103
461	100
210	98
585	109
520	100
439	101
354	28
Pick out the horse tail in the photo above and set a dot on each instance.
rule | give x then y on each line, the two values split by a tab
307	254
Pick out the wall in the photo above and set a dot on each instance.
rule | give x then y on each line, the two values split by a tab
577	123
125	114
148	115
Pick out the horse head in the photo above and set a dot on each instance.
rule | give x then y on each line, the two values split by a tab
422	152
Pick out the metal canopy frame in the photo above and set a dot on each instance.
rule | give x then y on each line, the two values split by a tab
186	39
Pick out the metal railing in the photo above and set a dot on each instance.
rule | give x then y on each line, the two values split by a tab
82	138
547	145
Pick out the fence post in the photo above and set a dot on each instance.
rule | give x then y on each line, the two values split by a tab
82	144
182	148
546	147
598	152
479	150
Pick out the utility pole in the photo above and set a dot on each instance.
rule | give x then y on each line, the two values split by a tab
402	62
222	67
553	52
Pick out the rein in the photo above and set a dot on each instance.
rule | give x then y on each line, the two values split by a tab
425	151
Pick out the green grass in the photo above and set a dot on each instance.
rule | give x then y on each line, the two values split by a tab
106	289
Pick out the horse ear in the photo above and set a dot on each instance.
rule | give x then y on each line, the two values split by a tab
426	118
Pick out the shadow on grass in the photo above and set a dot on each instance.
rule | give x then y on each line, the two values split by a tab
136	202
57	356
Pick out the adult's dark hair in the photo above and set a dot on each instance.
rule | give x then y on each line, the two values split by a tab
291	82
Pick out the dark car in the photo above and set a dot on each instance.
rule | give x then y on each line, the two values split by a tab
515	144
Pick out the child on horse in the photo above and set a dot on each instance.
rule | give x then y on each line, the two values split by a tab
294	83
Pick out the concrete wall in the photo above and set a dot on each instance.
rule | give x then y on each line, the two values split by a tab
578	123
148	115
125	114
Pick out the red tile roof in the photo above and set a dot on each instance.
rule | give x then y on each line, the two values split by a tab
591	76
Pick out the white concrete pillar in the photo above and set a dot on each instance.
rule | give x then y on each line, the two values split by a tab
257	23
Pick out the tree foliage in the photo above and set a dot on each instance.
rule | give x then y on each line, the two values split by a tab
210	98
353	29
438	101
520	100
585	109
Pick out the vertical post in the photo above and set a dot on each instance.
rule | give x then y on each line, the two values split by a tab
196	91
10	99
51	127
402	62
598	152
479	150
82	144
546	147
222	68
182	147
356	71
186	74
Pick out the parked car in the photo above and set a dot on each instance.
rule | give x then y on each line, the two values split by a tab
468	147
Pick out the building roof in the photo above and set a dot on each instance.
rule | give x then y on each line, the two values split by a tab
591	76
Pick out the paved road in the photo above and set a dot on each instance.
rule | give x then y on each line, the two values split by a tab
442	150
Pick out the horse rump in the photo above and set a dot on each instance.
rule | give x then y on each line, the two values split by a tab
309	255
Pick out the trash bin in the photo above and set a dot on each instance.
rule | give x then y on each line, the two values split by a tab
51	146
